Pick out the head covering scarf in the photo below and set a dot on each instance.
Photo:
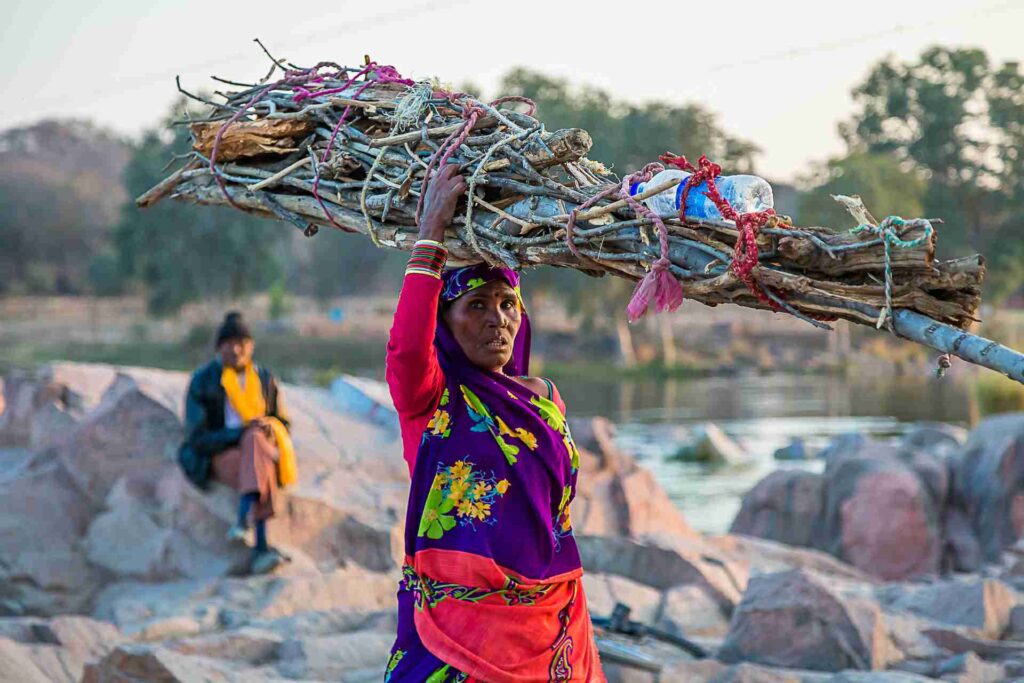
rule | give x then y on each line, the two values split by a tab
490	554
461	281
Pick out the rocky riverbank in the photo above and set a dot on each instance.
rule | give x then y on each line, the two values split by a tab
113	568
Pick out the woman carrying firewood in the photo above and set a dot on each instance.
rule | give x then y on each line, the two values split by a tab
491	587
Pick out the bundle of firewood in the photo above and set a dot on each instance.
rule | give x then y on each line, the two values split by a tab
354	148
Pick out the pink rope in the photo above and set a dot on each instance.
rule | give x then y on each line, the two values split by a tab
471	113
659	284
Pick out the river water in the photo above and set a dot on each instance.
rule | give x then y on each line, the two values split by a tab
762	413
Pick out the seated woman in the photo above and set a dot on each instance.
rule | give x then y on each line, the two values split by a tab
492	585
237	431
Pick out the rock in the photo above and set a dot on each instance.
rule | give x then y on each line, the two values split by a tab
352	588
159	665
793	619
690	612
934	437
796	449
666	562
842	446
712	445
962	641
970	668
981	604
988	483
766	557
616	497
906	633
880	517
933	470
785	506
335	657
752	673
605	591
693	671
876	507
58	649
50	577
131	433
126	540
17	664
995	429
365	399
134	607
963	551
83	638
1015	631
876	677
252	646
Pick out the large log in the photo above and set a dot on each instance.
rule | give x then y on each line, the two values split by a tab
246	139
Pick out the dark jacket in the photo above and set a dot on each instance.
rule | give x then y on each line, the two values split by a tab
205	433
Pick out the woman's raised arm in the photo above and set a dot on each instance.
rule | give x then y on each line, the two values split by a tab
413	373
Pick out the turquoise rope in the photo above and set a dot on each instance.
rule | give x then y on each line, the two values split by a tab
886	231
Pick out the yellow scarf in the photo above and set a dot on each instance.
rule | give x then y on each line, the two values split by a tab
250	405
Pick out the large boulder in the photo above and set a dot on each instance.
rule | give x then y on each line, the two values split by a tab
766	557
57	649
877	507
786	506
664	562
44	570
710	444
160	665
794	619
615	496
880	517
934	437
988	483
134	430
983	605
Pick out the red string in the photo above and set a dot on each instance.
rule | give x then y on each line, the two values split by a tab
745	256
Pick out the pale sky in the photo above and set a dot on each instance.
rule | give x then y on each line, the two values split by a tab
777	72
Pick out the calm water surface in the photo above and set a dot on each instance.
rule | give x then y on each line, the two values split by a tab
762	413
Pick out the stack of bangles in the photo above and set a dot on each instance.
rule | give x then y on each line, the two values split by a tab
428	258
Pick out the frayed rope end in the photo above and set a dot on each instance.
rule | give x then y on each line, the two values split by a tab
659	286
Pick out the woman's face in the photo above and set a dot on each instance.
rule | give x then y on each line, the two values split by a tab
485	322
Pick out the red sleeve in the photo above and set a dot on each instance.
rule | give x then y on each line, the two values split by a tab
413	374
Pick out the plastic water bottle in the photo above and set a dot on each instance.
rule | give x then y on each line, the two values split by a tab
745	193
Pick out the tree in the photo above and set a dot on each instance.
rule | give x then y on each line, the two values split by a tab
959	121
886	187
181	253
628	135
